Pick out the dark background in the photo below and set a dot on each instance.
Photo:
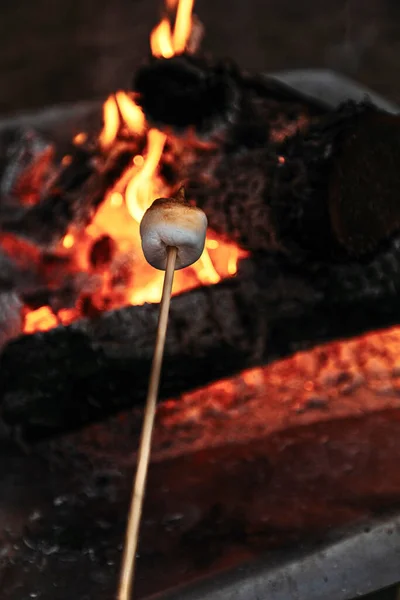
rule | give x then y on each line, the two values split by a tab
55	51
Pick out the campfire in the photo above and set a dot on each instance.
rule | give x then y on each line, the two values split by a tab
281	270
281	367
105	254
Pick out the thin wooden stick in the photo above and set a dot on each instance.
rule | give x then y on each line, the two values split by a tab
132	532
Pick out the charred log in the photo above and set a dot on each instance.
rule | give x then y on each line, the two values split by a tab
328	193
70	376
304	288
186	92
216	100
28	167
73	198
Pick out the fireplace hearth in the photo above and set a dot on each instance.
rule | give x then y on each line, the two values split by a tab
278	427
311	438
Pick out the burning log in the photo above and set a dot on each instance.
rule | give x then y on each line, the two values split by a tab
326	193
219	103
76	193
96	177
29	167
186	92
319	270
70	376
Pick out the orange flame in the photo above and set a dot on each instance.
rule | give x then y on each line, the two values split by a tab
183	25
68	241
41	319
132	117
132	114
141	189
163	41
80	138
119	216
111	123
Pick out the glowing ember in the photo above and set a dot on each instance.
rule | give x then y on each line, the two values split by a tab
40	320
68	241
80	138
109	249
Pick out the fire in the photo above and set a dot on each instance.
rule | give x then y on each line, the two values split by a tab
165	42
142	188
161	40
68	241
114	230
111	123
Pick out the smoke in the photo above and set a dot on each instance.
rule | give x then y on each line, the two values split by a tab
359	35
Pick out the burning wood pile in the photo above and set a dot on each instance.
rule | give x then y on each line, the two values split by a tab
302	248
298	249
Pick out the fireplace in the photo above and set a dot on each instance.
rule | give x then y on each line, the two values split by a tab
279	416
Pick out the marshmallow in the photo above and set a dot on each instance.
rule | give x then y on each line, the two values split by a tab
173	222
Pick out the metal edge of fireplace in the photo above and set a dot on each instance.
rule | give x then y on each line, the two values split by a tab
361	562
60	122
330	88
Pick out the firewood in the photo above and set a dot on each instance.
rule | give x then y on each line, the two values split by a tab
328	192
316	273
70	376
72	199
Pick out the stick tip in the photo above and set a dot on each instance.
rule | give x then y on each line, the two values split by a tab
180	195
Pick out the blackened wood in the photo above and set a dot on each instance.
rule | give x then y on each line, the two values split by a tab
70	376
326	192
27	163
250	110
304	287
216	100
74	197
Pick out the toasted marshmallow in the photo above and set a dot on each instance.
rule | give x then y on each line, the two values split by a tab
173	222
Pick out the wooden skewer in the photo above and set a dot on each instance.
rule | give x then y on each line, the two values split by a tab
135	512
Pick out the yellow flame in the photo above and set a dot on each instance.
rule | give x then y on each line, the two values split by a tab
207	271
148	293
161	40
233	262
122	210
40	320
138	160
183	25
68	241
111	123
140	190
131	113
116	199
